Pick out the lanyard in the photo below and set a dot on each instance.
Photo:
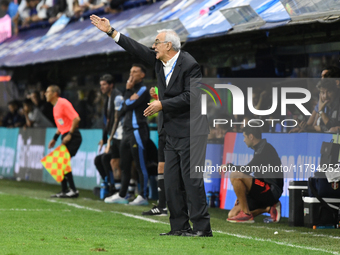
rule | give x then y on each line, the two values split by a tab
173	66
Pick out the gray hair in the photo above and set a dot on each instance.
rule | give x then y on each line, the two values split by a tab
171	36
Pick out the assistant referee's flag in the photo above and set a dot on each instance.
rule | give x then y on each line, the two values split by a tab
58	162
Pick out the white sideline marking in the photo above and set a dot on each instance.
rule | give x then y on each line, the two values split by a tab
75	205
29	210
140	217
302	233
230	234
279	243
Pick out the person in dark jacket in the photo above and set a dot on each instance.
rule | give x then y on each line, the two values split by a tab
259	193
135	137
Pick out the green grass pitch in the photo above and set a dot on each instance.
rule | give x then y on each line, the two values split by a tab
33	223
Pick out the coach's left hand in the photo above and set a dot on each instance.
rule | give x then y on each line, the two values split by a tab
153	108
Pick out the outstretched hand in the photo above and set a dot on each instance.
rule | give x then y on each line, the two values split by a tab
102	24
153	108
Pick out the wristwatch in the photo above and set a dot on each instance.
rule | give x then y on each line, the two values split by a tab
320	112
110	32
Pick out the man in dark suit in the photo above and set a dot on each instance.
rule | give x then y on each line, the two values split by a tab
186	128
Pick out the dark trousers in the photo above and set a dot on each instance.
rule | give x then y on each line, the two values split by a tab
184	189
72	147
102	163
132	148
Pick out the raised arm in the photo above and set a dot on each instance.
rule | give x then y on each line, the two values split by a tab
139	50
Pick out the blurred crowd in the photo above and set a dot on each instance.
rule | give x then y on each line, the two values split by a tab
26	13
324	106
34	111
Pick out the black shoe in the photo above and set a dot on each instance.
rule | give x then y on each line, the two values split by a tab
177	232
60	194
199	233
156	211
70	194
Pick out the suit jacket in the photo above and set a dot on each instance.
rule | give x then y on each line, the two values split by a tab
109	117
180	99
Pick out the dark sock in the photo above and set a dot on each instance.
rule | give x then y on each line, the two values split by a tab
64	185
161	191
69	178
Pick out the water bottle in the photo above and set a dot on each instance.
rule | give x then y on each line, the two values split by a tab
104	191
209	197
268	220
278	128
271	129
217	199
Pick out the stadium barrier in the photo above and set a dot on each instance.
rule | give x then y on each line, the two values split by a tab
299	153
22	149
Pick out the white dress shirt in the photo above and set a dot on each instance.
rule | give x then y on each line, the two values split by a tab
169	67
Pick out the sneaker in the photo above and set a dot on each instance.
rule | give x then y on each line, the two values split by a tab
60	194
116	199
156	211
139	201
275	212
241	217
71	194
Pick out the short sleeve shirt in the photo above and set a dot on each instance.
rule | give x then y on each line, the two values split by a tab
64	114
119	100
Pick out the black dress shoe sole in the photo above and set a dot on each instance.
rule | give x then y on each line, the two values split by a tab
177	233
199	234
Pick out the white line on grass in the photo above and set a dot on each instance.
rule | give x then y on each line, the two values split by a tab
302	233
29	210
279	243
75	205
139	217
230	234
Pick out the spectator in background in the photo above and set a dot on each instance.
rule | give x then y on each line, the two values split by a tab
27	13
51	9
327	109
91	5
86	108
45	107
331	72
9	7
34	117
114	6
13	118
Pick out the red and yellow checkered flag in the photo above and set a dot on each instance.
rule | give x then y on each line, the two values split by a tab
58	162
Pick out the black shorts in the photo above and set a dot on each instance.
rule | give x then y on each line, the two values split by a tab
260	195
75	142
114	148
161	145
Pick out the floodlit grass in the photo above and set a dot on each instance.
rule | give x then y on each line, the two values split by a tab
32	223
